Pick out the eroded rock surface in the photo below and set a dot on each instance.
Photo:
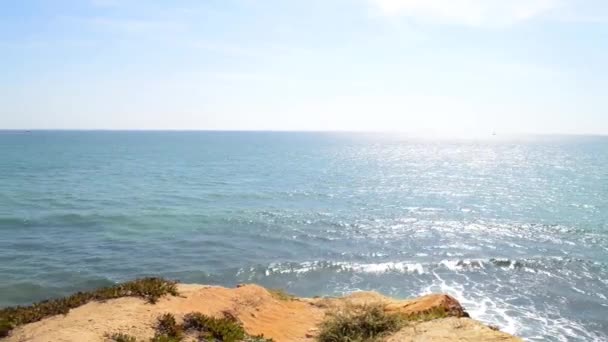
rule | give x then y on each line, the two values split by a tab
260	311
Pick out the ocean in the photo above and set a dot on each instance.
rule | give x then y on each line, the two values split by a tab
516	228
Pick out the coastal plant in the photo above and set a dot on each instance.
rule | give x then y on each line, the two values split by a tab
166	326
165	338
5	327
257	338
281	294
225	329
358	323
120	337
150	289
222	329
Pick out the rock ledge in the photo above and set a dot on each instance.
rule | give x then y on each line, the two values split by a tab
261	311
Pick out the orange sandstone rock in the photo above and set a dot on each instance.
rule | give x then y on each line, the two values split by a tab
260	312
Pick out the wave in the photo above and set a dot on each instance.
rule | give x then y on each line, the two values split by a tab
523	296
304	267
534	265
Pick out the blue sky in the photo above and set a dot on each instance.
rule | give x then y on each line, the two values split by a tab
440	67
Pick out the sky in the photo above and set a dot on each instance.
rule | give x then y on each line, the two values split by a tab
439	67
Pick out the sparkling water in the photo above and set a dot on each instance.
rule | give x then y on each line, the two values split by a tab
516	228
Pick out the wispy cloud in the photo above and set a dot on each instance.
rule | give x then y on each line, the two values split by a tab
468	12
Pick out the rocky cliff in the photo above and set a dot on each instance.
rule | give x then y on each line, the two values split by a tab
273	314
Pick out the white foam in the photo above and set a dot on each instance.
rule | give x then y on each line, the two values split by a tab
517	319
485	301
376	268
458	265
389	267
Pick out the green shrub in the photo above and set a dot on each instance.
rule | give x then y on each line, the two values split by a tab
120	337
165	338
359	323
5	327
257	338
226	329
167	326
222	329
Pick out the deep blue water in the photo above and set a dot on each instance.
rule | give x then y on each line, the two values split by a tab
515	228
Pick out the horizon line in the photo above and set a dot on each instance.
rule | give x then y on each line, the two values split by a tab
177	130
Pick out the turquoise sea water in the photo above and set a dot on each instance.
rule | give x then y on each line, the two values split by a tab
515	228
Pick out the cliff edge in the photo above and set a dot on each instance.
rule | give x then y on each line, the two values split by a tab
273	314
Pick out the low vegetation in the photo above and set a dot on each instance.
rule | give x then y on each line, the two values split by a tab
211	328
164	338
346	323
167	329
120	337
359	323
202	327
150	289
281	294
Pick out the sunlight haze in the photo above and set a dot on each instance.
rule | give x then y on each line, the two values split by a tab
439	67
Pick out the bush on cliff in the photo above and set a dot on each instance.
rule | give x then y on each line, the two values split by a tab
167	328
207	328
358	323
120	337
222	329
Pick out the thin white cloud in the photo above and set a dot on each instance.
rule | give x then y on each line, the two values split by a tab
468	12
